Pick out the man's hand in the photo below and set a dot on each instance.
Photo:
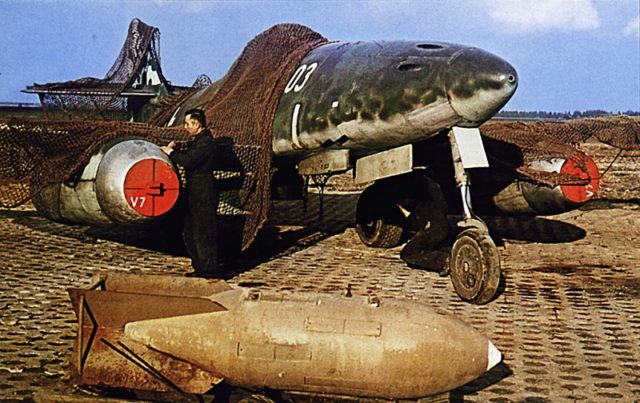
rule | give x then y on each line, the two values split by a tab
168	149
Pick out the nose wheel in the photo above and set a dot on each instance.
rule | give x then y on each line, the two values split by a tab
474	264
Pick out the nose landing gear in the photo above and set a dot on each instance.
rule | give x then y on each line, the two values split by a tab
474	262
407	202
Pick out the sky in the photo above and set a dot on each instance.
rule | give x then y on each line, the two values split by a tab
570	54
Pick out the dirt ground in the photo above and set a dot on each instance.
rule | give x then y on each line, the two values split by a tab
566	318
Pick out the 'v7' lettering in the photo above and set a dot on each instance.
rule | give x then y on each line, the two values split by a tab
135	200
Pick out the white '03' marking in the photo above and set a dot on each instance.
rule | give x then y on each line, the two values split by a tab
293	82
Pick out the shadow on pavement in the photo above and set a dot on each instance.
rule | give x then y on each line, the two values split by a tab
495	375
533	229
292	226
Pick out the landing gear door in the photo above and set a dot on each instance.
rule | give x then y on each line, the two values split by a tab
471	148
395	161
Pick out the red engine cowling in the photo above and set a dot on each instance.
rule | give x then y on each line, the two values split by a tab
129	181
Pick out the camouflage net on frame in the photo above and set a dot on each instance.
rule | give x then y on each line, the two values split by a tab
242	106
540	140
100	98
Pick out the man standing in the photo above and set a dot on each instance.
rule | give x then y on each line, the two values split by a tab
200	226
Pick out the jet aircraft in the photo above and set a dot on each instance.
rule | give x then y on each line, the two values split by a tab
400	114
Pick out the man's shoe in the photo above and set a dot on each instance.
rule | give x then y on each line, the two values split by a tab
203	275
210	275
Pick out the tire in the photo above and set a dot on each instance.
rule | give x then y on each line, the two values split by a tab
378	221
475	267
379	234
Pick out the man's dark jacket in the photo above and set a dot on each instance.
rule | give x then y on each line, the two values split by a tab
200	230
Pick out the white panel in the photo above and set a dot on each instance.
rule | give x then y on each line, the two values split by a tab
327	162
384	164
471	148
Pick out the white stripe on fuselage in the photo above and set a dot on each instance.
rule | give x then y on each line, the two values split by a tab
294	128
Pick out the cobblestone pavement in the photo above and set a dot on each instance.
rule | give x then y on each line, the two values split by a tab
567	317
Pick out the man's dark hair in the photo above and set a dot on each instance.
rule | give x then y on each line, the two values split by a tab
197	114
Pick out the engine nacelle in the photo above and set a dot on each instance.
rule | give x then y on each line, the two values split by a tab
129	181
521	197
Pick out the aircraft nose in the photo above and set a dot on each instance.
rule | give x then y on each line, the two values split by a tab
479	84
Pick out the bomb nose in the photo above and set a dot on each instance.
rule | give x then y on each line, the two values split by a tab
494	356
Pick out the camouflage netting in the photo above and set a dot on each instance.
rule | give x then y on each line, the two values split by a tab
244	106
241	106
34	153
166	106
100	97
541	140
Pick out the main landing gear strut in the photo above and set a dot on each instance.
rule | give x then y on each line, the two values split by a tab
474	262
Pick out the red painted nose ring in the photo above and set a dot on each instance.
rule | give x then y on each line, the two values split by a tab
581	193
151	187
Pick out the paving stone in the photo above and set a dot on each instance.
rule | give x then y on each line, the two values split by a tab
567	319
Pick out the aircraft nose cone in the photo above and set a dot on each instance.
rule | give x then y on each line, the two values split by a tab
479	84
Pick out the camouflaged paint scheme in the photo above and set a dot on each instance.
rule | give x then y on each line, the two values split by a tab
368	96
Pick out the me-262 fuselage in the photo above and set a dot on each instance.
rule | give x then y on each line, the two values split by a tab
371	96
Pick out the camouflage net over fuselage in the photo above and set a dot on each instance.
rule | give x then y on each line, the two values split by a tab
34	153
244	105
